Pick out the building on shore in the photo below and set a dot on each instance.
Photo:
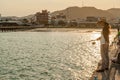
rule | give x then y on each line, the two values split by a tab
59	19
91	19
42	17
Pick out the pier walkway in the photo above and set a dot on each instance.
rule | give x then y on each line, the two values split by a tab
114	69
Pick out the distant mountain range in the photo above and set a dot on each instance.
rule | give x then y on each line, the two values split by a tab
115	12
83	12
28	16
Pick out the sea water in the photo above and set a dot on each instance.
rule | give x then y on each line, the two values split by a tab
48	55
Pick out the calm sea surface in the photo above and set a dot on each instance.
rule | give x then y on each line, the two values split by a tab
48	55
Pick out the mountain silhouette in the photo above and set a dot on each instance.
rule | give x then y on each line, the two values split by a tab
83	12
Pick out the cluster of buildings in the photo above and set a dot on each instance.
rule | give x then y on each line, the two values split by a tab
89	21
62	19
45	18
59	19
40	18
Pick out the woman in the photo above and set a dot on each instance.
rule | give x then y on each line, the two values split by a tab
104	47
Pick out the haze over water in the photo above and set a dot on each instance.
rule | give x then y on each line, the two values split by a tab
48	55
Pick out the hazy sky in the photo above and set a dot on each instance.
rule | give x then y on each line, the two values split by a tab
26	7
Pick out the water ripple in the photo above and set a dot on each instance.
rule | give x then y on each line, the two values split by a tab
47	56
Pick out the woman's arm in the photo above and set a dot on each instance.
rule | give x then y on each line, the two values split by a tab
98	38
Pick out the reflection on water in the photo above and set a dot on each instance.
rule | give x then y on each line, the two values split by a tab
48	55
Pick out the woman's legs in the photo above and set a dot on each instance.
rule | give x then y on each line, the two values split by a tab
105	56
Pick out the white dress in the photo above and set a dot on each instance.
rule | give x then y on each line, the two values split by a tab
102	40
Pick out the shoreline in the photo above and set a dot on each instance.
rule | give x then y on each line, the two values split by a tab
61	29
38	29
46	29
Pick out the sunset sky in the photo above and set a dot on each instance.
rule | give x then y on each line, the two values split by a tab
26	7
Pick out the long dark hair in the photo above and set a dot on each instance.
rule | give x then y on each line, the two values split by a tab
106	31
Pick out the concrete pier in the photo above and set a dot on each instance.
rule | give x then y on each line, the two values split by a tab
114	69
